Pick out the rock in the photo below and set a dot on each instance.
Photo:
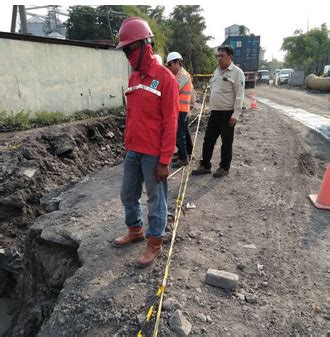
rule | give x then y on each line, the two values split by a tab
58	236
61	318
241	296
240	266
221	279
64	150
179	324
317	308
14	200
11	260
29	154
251	298
250	246
141	319
52	207
171	304
201	317
29	172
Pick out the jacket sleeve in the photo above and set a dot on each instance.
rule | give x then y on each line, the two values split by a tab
169	112
239	85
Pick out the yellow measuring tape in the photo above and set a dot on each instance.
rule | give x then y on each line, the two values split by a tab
179	204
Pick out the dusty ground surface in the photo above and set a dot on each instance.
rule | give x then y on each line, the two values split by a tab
257	222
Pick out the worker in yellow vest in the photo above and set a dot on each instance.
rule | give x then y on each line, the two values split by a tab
175	65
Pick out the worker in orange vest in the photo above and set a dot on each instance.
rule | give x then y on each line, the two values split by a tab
175	64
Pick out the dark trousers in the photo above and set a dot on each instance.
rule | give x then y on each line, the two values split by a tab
218	125
181	136
189	142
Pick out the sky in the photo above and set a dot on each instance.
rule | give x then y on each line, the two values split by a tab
273	21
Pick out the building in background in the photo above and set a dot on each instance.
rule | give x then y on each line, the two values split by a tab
262	52
236	30
45	25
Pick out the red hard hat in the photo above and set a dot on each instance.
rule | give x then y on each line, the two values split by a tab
133	29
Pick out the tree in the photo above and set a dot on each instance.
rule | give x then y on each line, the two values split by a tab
103	22
111	17
186	25
83	24
88	23
242	30
307	51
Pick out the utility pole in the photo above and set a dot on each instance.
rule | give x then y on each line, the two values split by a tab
307	24
13	19
110	26
22	15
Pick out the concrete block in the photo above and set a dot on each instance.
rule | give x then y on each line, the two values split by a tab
221	279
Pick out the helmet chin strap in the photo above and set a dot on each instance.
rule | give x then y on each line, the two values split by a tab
143	44
141	55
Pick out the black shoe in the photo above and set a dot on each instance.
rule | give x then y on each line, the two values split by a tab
201	170
175	159
180	163
220	172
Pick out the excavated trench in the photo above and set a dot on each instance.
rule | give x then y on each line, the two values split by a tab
36	167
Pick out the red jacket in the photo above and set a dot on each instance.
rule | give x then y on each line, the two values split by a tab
152	112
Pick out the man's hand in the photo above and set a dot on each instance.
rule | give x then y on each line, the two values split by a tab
162	172
232	122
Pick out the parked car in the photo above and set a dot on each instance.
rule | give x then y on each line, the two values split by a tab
284	75
263	76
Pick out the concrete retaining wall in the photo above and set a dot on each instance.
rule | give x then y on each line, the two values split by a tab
53	77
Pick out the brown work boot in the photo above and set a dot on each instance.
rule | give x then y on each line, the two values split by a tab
151	252
134	234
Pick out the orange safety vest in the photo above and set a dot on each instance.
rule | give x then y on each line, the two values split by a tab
185	90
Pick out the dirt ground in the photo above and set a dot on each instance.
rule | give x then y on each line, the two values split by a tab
257	222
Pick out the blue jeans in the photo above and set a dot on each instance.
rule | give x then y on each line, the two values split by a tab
139	168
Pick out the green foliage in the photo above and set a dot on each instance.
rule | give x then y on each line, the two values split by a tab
110	18
307	51
182	32
48	118
14	121
22	120
103	22
187	25
83	24
242	30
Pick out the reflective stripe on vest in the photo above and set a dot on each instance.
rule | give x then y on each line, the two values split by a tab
144	87
184	97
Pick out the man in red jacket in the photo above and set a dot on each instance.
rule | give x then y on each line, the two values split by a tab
151	124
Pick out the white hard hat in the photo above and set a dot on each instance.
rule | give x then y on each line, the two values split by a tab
158	58
174	55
